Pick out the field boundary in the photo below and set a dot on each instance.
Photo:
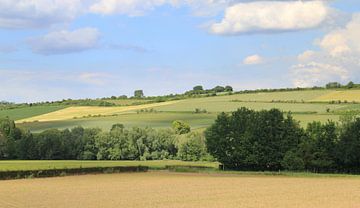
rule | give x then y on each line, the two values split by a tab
21	174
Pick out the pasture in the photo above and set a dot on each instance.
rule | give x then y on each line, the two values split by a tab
165	189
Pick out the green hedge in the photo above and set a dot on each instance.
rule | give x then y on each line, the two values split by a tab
7	175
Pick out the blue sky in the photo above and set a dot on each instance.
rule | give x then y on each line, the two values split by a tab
56	49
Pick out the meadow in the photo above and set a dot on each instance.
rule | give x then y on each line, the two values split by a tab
168	189
306	106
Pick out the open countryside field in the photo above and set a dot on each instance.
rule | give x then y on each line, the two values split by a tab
303	110
164	189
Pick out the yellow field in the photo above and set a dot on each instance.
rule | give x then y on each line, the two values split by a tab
71	112
348	95
163	190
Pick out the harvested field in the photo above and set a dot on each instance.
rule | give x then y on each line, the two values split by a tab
163	189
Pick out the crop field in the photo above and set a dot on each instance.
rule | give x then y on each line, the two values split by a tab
26	112
164	189
300	103
10	165
154	120
78	112
343	95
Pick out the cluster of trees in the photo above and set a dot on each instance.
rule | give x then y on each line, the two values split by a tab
334	85
270	141
94	144
199	90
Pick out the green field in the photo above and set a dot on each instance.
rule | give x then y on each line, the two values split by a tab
14	165
306	106
26	112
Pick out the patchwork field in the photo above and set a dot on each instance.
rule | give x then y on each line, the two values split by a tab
78	112
300	103
164	189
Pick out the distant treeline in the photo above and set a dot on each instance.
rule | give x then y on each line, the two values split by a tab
94	144
197	91
269	141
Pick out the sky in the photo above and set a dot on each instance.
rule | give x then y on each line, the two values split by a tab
59	49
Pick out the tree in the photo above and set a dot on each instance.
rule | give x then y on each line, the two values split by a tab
250	140
181	127
139	94
348	148
198	88
322	143
194	149
219	89
228	89
331	85
350	85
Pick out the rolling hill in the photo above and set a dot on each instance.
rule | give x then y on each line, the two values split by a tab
306	106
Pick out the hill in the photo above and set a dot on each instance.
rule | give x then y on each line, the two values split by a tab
200	112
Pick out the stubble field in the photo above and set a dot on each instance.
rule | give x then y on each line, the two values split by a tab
164	189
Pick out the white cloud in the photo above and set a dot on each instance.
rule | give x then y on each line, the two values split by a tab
306	55
61	42
343	41
337	60
317	74
254	59
22	14
128	7
271	16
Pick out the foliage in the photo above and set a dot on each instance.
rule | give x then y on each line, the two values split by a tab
194	149
181	127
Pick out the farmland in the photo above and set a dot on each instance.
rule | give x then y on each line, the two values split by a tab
306	106
164	189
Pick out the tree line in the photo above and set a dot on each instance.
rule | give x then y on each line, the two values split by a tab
266	140
269	141
118	143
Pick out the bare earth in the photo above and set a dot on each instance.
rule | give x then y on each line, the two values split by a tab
162	189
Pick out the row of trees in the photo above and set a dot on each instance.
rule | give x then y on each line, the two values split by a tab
270	141
94	144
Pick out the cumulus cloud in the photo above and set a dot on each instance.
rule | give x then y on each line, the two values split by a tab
63	41
252	60
22	14
338	57
271	16
315	74
129	7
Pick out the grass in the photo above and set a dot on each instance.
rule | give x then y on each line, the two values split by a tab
164	189
13	165
26	112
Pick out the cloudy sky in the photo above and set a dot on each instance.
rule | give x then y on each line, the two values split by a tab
55	49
